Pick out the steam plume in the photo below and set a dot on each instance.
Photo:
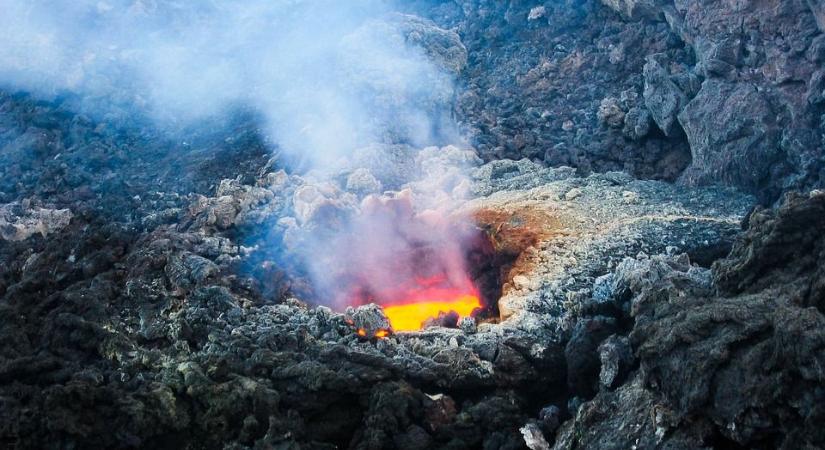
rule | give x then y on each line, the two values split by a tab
322	72
336	81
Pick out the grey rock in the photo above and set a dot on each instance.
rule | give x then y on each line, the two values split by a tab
186	270
662	97
582	355
616	358
611	113
18	222
468	325
701	342
368	321
637	123
537	13
734	135
550	417
533	437
444	47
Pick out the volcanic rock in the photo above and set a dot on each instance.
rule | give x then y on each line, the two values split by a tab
611	113
444	47
663	98
152	294
368	321
704	340
537	13
616	358
223	346
818	8
533	437
633	9
563	246
637	123
539	75
550	417
18	222
748	136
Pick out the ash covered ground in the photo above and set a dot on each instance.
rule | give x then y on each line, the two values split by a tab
645	173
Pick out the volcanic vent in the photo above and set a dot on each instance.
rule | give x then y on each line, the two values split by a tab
431	267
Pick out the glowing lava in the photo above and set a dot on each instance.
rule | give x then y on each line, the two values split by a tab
410	314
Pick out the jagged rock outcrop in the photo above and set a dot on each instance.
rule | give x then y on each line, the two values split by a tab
663	98
733	134
744	83
731	355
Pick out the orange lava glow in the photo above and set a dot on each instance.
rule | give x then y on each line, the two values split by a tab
411	314
381	334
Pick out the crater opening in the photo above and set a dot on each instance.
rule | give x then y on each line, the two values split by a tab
420	280
497	245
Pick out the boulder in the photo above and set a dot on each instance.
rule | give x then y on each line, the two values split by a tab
733	133
663	97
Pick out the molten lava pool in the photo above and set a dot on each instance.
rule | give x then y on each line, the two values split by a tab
411	314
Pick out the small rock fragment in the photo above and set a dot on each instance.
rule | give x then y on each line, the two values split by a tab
573	194
537	13
616	358
368	321
630	197
533	437
468	325
550	417
611	113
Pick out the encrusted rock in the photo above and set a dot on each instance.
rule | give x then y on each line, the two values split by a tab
533	437
537	13
733	134
611	113
368	321
550	417
572	194
616	358
634	9
185	270
637	123
18	222
663	98
582	354
468	325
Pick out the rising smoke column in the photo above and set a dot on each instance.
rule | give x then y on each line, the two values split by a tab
328	76
343	87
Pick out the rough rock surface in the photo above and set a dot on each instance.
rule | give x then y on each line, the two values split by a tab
727	84
539	73
727	356
566	231
18	222
170	320
150	296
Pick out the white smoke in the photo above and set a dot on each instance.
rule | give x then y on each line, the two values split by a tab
341	84
328	76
